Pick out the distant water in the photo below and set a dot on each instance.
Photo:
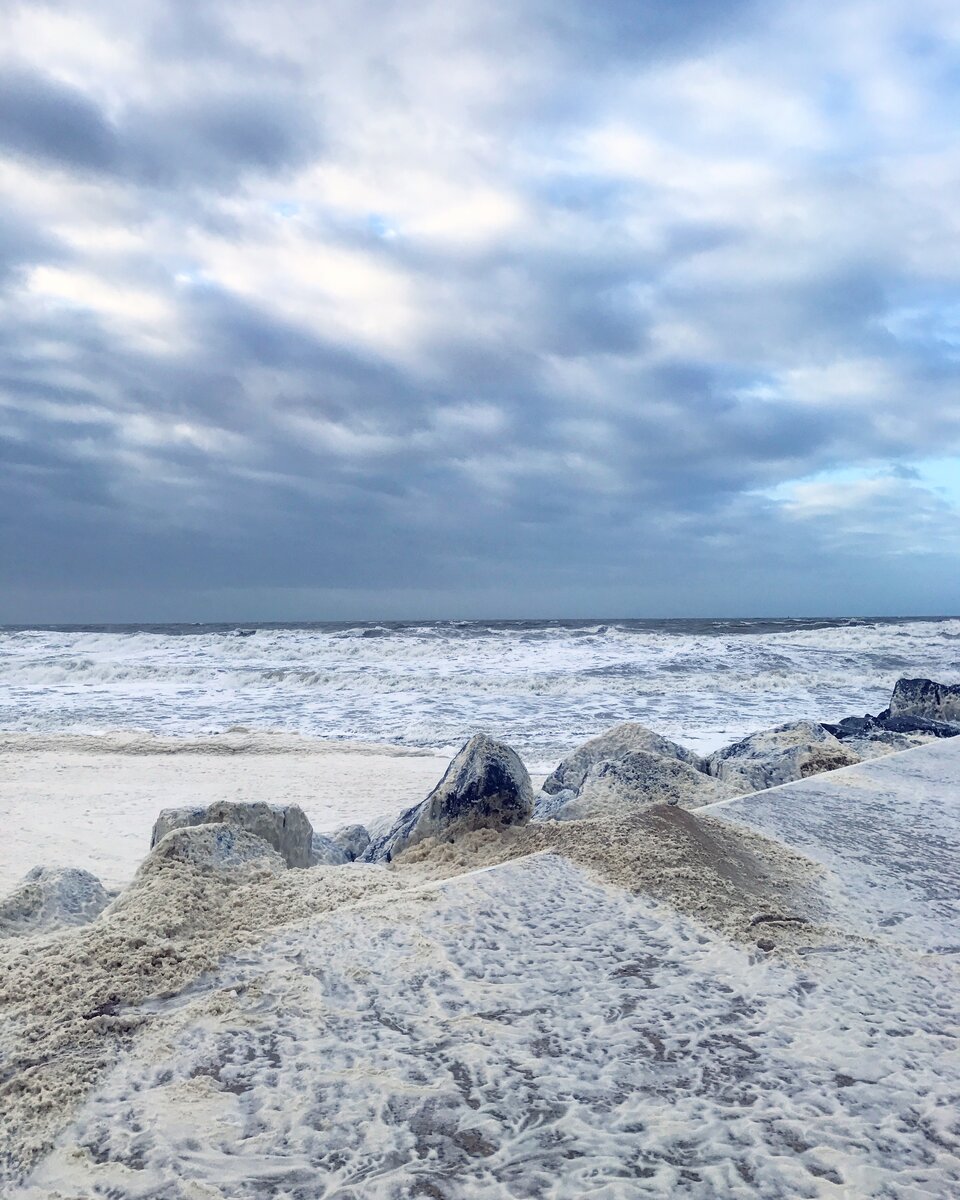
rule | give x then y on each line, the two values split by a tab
543	686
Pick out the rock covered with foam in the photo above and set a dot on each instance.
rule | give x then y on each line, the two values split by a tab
631	783
486	786
613	744
779	755
352	840
212	847
283	826
49	898
326	853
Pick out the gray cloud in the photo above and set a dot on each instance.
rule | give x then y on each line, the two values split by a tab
529	308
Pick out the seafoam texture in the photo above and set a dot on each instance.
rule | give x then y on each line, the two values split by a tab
528	1030
530	1033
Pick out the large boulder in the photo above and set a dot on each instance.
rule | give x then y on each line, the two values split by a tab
486	786
780	755
615	743
212	847
49	898
283	826
924	698
628	784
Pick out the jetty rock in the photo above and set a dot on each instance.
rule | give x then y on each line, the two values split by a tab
486	786
783	754
924	698
49	898
283	826
212	847
324	852
352	840
615	743
631	783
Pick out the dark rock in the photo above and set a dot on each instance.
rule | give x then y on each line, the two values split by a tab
283	826
924	698
352	840
485	786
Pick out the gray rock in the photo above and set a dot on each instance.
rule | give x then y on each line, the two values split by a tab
326	853
780	755
352	840
635	782
615	743
283	826
212	847
547	805
485	786
924	698
49	898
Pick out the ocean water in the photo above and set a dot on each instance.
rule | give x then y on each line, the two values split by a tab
543	686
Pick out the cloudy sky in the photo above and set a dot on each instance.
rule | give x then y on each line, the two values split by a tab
467	308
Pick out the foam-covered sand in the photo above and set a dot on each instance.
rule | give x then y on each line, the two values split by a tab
563	1010
90	801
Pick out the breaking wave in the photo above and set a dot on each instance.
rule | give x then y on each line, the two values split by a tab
541	685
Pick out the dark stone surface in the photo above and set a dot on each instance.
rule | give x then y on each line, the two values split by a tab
485	786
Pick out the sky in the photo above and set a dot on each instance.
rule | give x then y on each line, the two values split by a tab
466	308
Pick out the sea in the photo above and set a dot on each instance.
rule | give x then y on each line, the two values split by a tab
542	686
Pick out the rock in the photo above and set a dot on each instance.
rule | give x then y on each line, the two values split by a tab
633	782
214	846
486	786
49	898
352	840
613	744
547	805
924	698
870	736
326	853
283	826
780	755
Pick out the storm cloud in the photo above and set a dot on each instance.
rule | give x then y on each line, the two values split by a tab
566	308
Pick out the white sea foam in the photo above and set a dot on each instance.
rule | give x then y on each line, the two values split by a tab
544	687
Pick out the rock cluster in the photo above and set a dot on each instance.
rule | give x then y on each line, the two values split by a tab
919	711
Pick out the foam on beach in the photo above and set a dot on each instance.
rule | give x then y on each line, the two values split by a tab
554	1011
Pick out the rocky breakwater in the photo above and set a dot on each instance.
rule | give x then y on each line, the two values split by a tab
630	768
920	711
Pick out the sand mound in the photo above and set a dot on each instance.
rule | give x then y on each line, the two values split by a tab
66	999
72	1001
723	875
